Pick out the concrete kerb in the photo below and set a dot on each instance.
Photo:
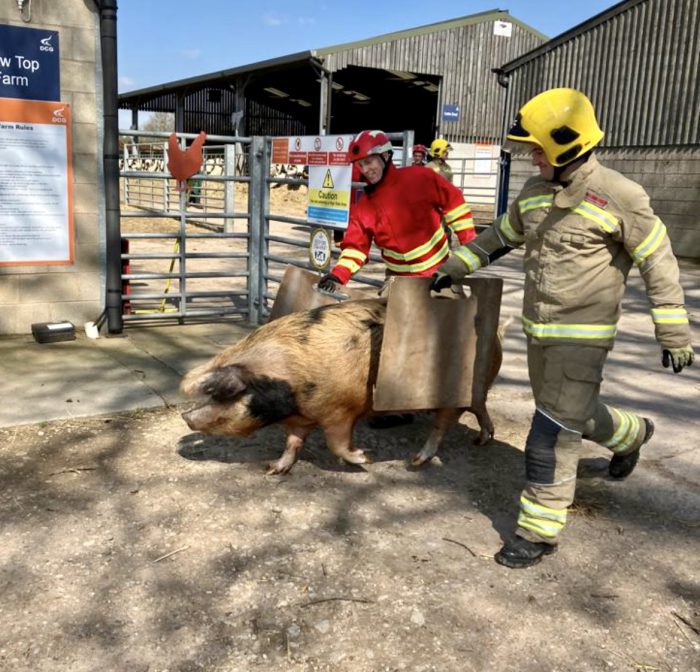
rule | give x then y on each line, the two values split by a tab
140	369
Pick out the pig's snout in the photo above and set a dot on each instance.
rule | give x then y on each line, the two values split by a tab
198	418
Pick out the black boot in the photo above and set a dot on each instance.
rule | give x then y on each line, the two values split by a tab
521	553
388	421
621	466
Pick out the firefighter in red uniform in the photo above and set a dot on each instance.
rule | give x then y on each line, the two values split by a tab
401	211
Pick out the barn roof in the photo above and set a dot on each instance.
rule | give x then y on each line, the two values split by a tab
490	15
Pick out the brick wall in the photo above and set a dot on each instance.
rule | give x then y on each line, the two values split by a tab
73	292
670	177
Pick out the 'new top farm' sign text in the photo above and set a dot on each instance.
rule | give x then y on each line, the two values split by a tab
29	63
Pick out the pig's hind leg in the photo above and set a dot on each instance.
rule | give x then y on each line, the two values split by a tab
443	420
296	435
339	440
486	430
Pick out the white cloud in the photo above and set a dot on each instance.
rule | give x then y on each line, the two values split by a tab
306	20
126	82
192	54
273	20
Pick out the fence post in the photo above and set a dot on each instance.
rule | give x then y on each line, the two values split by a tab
229	186
255	228
126	179
265	222
503	182
166	181
408	142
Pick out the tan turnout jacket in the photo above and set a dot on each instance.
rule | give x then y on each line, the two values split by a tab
580	243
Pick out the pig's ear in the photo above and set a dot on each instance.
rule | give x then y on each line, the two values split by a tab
225	382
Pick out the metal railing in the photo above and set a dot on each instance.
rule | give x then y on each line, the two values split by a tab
218	250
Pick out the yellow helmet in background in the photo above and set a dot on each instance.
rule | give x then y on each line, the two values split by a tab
560	121
439	147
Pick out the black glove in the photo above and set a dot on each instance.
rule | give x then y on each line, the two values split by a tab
328	283
440	281
679	357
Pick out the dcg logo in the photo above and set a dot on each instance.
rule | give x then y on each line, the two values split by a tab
46	44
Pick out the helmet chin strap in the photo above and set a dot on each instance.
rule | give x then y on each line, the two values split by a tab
559	170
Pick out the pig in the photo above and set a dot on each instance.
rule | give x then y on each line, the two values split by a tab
314	368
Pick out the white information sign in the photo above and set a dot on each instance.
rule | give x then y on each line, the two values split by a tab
330	173
36	214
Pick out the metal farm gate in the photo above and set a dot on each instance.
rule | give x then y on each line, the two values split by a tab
219	250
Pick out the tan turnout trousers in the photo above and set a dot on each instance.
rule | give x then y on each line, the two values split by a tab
565	382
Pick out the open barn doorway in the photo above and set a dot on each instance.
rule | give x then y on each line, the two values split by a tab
373	98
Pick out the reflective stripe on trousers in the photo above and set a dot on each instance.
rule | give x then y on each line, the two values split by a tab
565	382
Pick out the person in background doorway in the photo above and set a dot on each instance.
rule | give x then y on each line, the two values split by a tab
419	155
583	227
439	152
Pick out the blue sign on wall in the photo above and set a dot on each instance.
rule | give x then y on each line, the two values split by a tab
450	112
29	63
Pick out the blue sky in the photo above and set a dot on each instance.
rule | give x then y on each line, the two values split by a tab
164	41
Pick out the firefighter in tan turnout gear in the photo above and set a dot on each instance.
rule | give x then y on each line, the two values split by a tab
583	227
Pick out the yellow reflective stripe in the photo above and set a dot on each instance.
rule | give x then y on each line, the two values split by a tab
537	526
535	202
528	506
626	434
457	212
585	331
354	254
597	215
669	315
416	251
541	519
512	236
422	266
650	244
350	264
470	260
462	225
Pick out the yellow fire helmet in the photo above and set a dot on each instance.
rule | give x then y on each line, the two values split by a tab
439	147
560	121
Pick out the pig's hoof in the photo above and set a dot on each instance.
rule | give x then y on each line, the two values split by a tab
484	437
278	468
418	460
357	457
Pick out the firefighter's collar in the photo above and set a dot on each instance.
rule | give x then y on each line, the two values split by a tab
571	195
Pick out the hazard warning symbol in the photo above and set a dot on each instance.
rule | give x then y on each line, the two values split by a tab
328	181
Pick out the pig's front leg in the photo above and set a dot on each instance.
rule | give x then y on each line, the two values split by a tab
443	420
296	435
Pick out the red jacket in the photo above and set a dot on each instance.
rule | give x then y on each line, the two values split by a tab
403	215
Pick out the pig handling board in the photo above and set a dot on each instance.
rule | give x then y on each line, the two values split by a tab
437	352
297	292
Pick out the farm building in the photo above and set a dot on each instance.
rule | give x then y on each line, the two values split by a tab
638	63
435	79
59	116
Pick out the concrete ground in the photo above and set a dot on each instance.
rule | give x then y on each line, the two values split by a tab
128	542
142	368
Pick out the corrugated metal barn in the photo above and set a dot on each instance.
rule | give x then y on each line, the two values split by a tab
401	80
638	62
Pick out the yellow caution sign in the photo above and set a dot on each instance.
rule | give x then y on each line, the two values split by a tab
328	181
